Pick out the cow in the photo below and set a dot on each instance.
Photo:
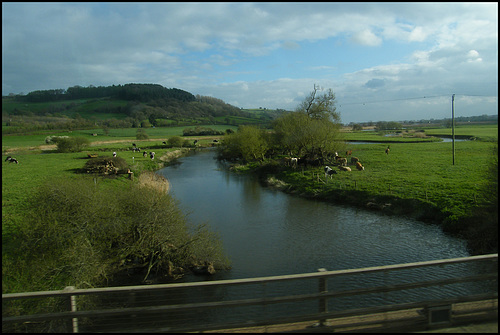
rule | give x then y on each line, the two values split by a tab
11	160
114	153
354	160
329	171
340	160
348	152
359	166
145	154
387	150
152	155
344	168
294	162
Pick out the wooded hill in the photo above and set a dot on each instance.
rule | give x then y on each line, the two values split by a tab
121	106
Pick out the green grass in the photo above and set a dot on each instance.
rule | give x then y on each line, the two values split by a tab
372	136
422	171
160	133
484	132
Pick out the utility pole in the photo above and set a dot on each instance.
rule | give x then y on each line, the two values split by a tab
453	125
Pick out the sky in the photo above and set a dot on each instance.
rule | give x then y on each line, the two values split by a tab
384	61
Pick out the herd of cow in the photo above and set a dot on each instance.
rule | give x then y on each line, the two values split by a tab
341	162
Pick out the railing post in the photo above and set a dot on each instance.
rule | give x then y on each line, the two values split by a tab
72	307
323	302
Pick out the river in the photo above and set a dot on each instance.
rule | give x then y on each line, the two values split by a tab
267	232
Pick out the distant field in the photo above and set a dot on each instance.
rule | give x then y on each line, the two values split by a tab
163	133
487	132
483	132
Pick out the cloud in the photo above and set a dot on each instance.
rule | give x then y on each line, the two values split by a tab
366	37
227	49
375	83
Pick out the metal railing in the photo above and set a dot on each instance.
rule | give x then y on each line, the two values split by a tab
424	293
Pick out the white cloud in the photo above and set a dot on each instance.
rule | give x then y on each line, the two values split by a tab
201	47
366	37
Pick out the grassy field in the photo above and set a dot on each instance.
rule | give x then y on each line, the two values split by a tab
484	132
422	171
161	134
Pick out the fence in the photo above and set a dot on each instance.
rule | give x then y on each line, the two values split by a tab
422	294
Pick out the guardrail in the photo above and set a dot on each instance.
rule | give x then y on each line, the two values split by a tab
431	293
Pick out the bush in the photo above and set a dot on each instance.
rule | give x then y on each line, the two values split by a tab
175	141
71	144
79	233
105	165
141	135
53	139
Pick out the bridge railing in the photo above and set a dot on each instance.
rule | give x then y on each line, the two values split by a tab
425	293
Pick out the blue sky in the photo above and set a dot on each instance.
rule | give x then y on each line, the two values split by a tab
380	59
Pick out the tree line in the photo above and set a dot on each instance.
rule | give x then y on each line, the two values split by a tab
135	106
138	92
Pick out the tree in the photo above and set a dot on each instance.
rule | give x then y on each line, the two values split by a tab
313	130
248	143
72	144
357	127
320	107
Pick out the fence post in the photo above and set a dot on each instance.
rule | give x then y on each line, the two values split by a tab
72	307
323	302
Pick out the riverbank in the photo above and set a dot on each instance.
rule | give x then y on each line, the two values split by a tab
406	183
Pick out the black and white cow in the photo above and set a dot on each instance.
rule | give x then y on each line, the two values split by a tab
329	171
11	160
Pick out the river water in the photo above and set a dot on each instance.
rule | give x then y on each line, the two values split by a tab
266	232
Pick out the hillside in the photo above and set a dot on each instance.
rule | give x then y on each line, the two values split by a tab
122	106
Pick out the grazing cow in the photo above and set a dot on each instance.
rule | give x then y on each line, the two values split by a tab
114	153
145	154
133	144
11	160
388	149
359	166
344	168
329	171
152	155
164	142
348	152
340	160
354	160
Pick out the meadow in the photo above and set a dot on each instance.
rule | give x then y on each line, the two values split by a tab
414	171
420	171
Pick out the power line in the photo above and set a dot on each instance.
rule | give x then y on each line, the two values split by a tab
415	98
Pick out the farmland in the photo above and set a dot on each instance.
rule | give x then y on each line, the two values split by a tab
415	179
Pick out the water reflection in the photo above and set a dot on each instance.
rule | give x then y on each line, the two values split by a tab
266	232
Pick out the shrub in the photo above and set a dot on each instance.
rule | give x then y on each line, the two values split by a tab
105	165
175	141
79	233
72	144
53	139
141	135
